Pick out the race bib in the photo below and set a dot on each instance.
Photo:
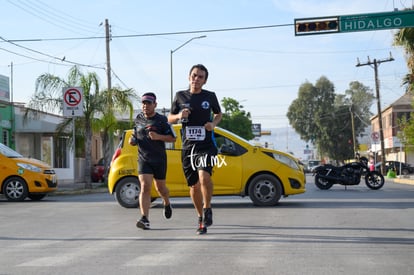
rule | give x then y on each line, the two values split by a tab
196	133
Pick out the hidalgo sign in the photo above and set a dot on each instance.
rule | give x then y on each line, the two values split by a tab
354	23
376	21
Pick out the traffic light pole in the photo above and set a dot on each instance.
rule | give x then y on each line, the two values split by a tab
374	64
353	130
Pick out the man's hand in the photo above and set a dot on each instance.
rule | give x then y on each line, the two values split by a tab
209	126
153	135
132	140
185	113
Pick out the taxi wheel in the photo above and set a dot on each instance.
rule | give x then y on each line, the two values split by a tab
265	190
15	189
127	192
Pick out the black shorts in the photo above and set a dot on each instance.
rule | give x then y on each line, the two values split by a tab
195	158
158	169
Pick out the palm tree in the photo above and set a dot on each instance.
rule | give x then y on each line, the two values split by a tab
405	38
112	102
48	97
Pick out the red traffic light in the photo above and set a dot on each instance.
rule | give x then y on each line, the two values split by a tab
316	26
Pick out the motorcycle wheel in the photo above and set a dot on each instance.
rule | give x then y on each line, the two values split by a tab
322	183
374	180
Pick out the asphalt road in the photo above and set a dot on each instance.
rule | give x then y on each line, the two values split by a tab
339	231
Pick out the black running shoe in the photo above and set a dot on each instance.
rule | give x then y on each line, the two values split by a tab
201	229
143	223
167	211
208	217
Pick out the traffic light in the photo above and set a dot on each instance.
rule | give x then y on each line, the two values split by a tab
320	25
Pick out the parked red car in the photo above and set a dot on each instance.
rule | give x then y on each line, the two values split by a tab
98	171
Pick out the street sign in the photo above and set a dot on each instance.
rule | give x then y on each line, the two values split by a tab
376	21
375	136
4	88
354	22
72	101
256	129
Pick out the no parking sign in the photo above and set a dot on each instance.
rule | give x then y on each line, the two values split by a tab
72	101
375	136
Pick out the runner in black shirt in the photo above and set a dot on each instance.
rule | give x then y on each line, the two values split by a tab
152	130
199	112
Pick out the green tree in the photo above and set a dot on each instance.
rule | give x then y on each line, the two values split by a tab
98	108
111	102
354	105
407	134
311	112
235	119
405	38
322	117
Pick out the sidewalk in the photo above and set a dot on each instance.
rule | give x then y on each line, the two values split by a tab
79	188
101	187
403	180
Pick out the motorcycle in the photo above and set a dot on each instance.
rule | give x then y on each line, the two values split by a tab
348	174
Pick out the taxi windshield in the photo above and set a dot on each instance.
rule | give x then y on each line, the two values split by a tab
8	152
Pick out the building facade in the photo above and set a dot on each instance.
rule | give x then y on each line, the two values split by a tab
33	134
394	149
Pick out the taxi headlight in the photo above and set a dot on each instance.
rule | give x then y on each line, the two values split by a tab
287	160
30	167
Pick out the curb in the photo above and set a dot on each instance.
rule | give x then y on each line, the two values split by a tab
79	188
79	191
403	181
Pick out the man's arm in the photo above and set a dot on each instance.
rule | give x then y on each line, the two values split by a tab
216	120
173	118
166	138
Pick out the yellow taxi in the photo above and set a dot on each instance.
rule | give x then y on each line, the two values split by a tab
22	177
240	169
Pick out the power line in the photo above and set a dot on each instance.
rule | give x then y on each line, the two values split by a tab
150	34
51	15
374	64
62	59
32	58
117	77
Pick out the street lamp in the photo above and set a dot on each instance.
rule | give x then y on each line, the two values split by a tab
171	60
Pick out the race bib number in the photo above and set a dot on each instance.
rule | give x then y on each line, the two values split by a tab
195	133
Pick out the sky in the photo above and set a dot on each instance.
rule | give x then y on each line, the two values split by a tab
250	48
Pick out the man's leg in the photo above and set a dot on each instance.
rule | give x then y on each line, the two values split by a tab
145	194
206	188
161	187
207	193
144	200
197	198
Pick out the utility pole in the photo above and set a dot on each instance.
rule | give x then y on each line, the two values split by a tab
108	56
109	146
12	110
374	64
353	130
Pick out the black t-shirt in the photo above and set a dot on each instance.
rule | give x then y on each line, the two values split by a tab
151	150
202	105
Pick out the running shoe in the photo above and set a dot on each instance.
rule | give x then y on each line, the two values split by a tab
208	217
143	223
167	211
201	229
